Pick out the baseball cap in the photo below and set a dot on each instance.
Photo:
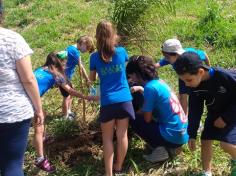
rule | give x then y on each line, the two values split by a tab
172	46
62	55
188	62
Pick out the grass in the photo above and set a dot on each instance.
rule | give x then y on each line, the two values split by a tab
52	25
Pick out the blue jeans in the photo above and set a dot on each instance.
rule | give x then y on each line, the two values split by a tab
13	138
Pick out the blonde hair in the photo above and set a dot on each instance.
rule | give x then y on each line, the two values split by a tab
88	41
106	40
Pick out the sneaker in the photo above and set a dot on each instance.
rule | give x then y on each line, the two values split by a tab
46	166
119	173
233	168
72	114
203	173
70	117
158	154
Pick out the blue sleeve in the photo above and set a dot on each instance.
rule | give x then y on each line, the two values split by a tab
73	55
92	64
126	55
202	55
196	106
149	98
163	62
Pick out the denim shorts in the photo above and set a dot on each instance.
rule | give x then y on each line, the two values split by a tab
116	111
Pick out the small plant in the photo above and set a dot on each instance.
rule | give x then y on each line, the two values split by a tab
65	128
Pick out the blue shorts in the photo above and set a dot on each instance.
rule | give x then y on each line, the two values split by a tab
227	134
150	132
116	111
183	89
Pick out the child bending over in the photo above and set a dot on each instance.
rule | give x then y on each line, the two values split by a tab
217	88
163	123
47	76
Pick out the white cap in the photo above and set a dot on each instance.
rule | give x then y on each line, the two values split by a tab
172	46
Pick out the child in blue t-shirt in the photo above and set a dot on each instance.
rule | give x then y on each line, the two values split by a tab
171	49
163	123
84	44
47	76
216	88
115	97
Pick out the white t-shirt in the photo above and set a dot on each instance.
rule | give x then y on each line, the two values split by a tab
15	105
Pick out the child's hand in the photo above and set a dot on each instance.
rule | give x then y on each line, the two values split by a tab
192	145
89	83
136	89
92	98
39	118
219	123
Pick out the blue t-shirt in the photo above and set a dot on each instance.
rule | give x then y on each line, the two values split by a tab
200	53
166	110
113	82
46	80
73	60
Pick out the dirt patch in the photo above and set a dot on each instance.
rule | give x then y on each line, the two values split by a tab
72	150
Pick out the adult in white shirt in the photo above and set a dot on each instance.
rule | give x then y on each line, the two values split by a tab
19	99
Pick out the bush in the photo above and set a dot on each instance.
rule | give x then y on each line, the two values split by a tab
128	17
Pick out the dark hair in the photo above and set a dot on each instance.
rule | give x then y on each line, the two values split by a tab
106	40
171	54
188	62
52	62
1	11
142	66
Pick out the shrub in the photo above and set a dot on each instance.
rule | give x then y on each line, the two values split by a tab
128	17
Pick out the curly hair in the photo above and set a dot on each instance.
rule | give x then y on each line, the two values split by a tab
142	66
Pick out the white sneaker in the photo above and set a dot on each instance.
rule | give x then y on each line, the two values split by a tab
158	154
69	117
206	173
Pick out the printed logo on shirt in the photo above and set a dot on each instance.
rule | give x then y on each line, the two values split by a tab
221	89
110	70
176	108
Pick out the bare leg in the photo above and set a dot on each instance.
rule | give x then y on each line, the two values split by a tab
122	142
206	154
183	98
229	148
38	139
108	148
66	105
